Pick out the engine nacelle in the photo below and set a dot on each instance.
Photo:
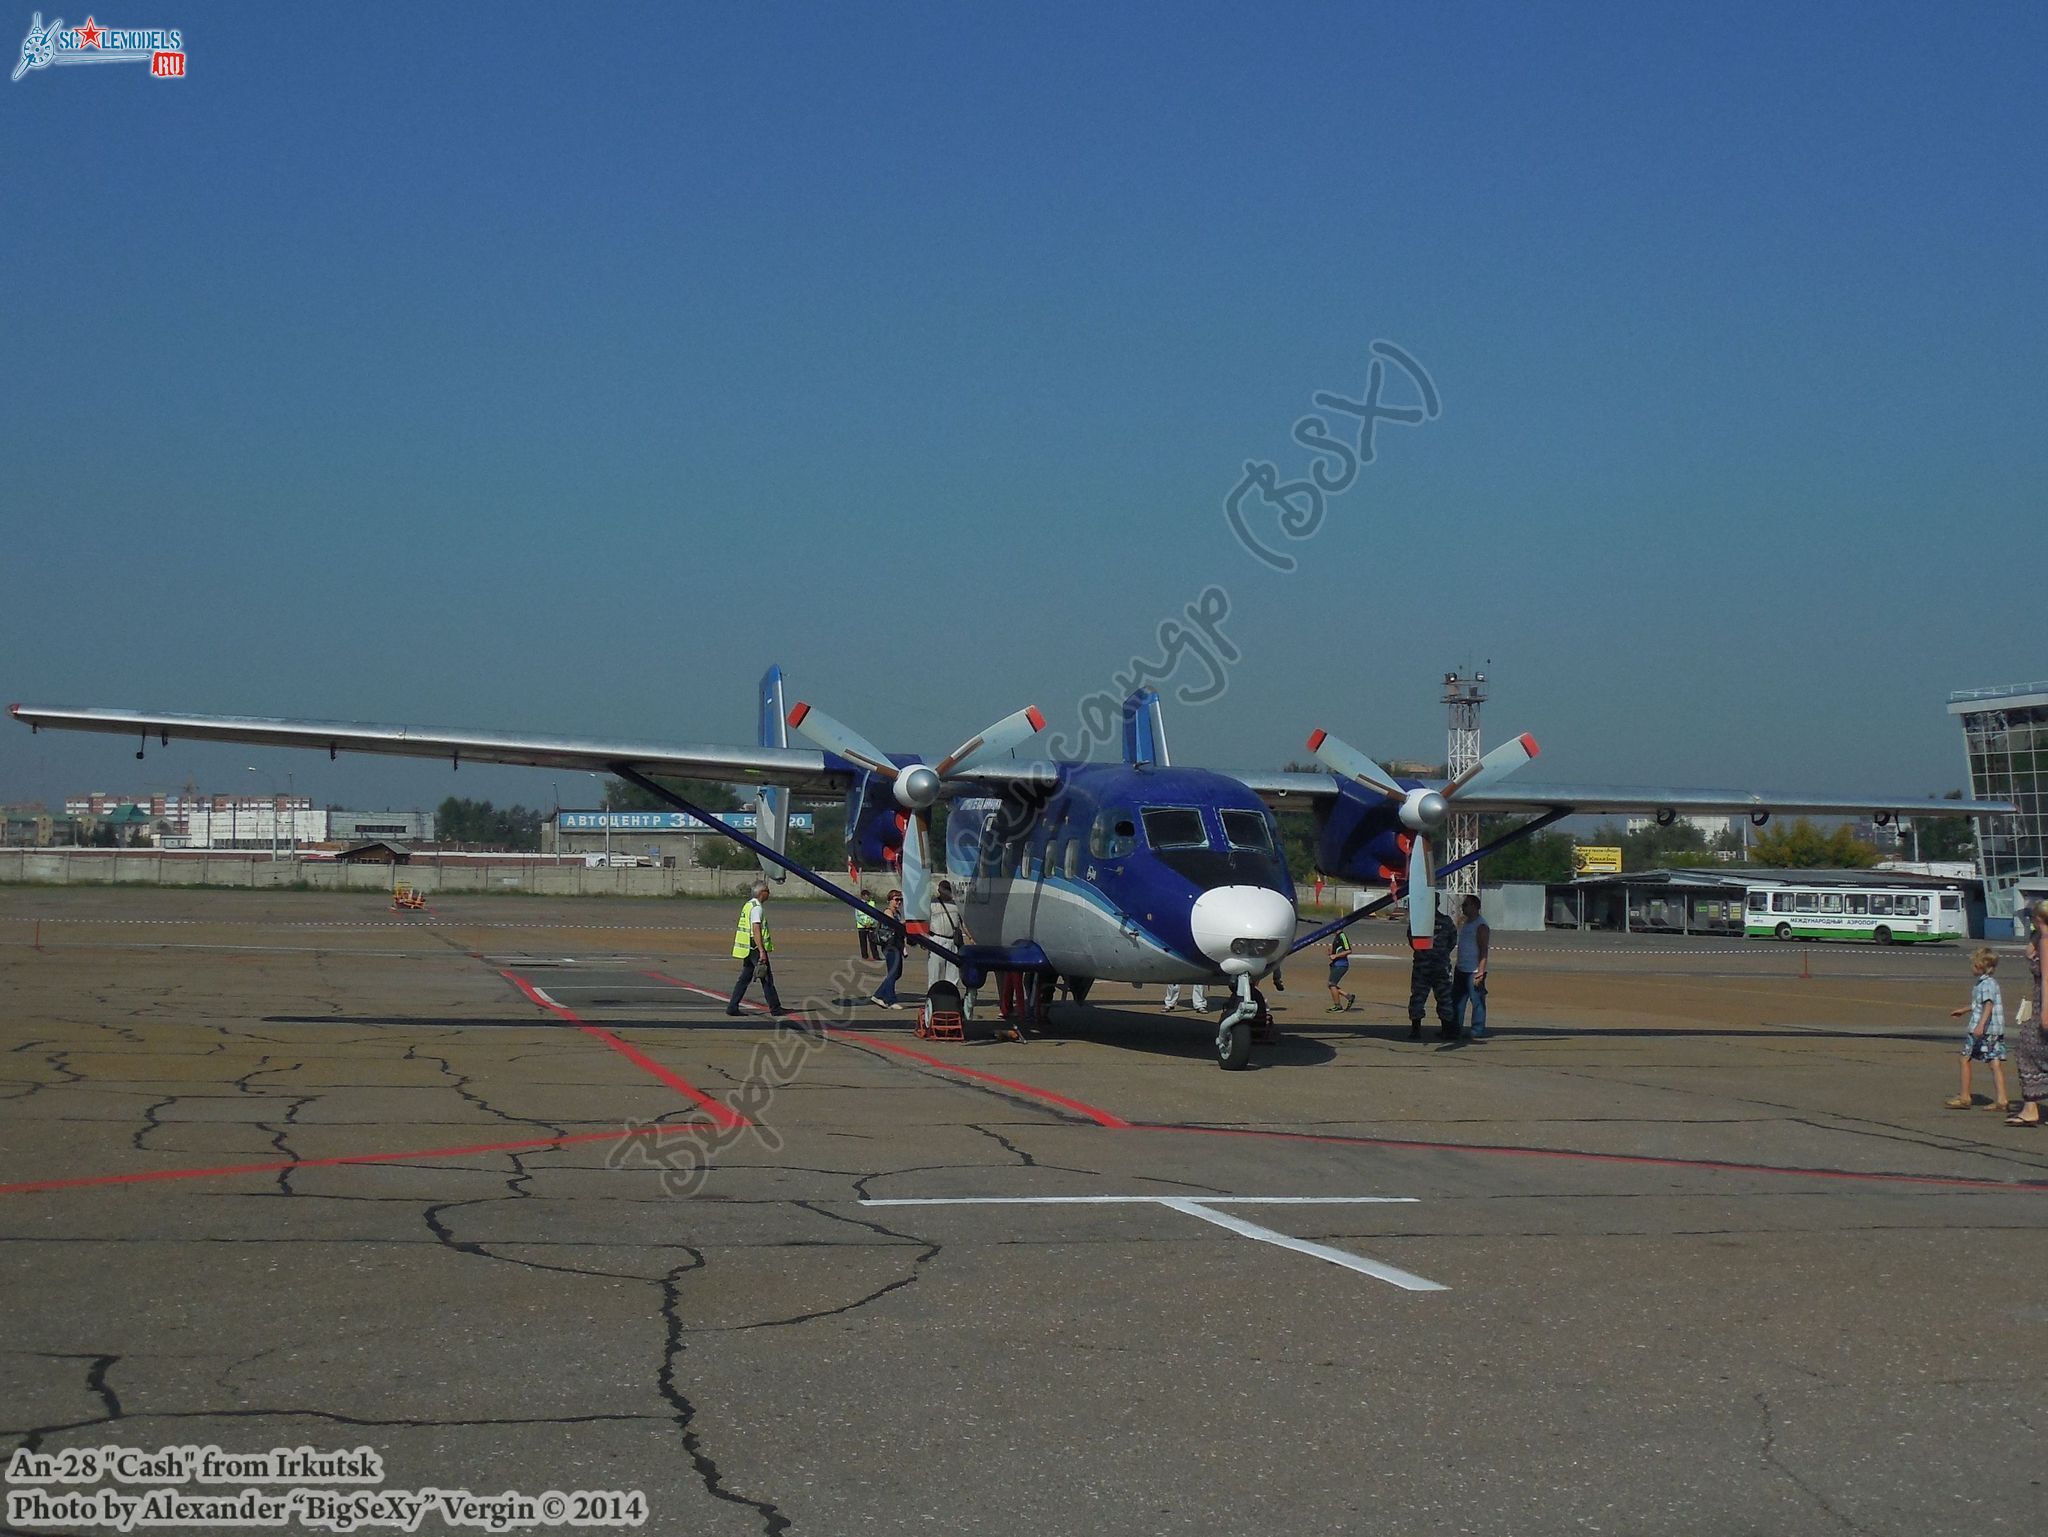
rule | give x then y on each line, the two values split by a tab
1361	837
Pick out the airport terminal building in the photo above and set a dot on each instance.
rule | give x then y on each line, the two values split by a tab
2005	735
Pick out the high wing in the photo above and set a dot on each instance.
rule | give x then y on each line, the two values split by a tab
799	768
1300	790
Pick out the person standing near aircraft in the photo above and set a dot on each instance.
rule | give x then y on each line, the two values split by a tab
2030	1045
892	952
1200	997
753	944
1474	937
865	927
1429	973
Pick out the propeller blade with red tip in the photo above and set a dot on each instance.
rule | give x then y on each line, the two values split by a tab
1421	895
1496	765
1006	735
1347	762
835	736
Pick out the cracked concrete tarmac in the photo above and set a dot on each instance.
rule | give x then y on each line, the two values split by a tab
283	1169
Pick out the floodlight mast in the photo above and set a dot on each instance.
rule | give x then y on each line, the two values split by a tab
1463	695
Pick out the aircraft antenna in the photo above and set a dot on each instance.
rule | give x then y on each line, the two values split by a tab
1464	693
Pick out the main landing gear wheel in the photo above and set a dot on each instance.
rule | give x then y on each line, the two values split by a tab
1234	1046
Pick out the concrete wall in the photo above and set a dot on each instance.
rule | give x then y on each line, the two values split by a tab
256	871
1516	907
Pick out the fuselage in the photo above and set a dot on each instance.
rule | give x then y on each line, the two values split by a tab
1136	874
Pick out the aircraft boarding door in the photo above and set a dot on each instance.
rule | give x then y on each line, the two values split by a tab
967	824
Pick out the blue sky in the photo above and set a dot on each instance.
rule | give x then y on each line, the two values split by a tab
550	370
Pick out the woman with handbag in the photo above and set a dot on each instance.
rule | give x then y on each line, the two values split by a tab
2030	1043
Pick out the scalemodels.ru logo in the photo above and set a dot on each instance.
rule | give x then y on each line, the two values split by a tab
161	48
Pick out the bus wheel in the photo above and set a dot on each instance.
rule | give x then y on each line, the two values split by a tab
1784	931
1884	935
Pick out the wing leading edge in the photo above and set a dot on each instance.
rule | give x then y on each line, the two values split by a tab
1300	789
802	768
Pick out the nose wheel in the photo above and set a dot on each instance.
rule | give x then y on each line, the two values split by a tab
1249	1020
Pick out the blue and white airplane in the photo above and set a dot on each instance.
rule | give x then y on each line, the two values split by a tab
1139	871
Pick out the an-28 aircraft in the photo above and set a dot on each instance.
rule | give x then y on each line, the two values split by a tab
1138	871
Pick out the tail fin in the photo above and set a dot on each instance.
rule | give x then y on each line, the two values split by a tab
1145	730
771	821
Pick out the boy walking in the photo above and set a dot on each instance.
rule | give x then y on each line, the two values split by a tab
1985	1039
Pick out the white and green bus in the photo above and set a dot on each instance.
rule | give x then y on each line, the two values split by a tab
1889	915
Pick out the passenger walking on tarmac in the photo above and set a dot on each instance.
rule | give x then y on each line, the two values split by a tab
2030	1047
866	930
892	952
1469	985
1984	1041
753	944
949	928
1429	974
1340	962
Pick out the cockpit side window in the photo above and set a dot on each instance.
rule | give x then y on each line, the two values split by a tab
1114	835
1248	830
1175	827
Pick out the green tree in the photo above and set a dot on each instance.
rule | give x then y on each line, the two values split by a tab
1939	837
479	824
1802	846
1663	848
1545	857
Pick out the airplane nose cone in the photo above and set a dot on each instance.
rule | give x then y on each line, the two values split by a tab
1243	928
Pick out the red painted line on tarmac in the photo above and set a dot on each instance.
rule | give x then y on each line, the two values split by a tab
1094	1113
1640	1160
529	1144
726	1119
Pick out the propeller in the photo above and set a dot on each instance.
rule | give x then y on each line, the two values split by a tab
917	786
1423	811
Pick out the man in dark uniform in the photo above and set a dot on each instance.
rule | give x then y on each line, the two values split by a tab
1430	972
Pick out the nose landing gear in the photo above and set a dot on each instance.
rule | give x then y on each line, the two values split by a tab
1248	1020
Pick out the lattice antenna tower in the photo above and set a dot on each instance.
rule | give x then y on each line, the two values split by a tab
1464	693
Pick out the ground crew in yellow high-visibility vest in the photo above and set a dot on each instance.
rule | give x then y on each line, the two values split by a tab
752	944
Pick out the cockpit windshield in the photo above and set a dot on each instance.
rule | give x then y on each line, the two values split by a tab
1174	827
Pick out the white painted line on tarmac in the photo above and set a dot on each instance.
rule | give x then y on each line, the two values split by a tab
1203	1207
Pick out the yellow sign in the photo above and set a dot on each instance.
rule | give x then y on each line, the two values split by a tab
1596	861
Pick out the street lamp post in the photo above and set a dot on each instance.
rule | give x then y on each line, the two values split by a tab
604	814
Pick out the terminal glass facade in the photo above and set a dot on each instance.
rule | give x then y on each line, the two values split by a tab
2005	732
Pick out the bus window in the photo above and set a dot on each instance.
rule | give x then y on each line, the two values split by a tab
1881	903
1805	901
1831	902
1951	902
1759	901
1114	835
1175	827
1781	902
1913	907
1859	904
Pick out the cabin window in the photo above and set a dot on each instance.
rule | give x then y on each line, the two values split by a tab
1248	830
1115	834
1072	863
1175	827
